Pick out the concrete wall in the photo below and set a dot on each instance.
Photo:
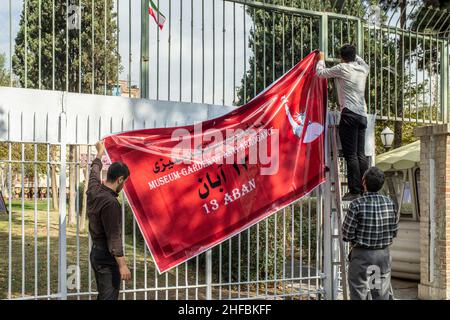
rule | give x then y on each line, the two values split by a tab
33	115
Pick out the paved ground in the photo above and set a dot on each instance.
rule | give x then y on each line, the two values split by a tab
404	289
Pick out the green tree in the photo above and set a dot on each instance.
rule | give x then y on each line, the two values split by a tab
278	41
429	21
419	52
67	67
4	73
49	54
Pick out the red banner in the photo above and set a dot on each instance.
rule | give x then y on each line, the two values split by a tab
192	187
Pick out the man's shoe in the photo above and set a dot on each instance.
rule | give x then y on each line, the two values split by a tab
350	196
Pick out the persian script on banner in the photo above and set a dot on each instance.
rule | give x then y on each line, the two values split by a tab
192	187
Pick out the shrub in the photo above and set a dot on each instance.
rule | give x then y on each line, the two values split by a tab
129	218
82	194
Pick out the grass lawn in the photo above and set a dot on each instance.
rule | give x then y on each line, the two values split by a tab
41	245
38	275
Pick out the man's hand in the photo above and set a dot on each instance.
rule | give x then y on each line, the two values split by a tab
321	56
125	273
100	149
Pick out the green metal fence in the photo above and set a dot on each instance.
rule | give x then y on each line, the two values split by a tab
226	51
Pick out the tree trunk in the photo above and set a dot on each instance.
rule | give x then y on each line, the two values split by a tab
4	185
398	132
84	203
54	179
72	185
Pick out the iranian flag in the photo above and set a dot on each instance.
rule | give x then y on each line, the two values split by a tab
153	10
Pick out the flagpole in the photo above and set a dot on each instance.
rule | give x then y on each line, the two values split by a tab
145	50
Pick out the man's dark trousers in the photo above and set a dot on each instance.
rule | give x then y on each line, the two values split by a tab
352	132
107	273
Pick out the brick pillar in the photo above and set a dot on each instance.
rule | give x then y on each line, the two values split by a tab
434	200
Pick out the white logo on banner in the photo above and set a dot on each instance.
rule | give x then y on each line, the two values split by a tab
313	129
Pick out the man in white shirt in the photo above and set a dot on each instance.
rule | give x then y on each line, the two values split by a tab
350	76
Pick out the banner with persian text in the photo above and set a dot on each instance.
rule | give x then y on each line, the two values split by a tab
192	187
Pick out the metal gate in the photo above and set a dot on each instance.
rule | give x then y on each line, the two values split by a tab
45	250
221	52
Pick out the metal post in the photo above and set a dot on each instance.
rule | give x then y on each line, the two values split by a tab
145	50
327	238
360	44
326	187
444	80
323	34
338	211
62	287
208	275
327	243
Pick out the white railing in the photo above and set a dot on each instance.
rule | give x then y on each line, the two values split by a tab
45	251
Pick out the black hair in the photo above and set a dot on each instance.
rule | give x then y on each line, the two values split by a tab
348	52
116	170
374	179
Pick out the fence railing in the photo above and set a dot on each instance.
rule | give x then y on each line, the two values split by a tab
44	238
224	52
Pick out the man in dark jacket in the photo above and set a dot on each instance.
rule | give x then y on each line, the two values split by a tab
105	226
